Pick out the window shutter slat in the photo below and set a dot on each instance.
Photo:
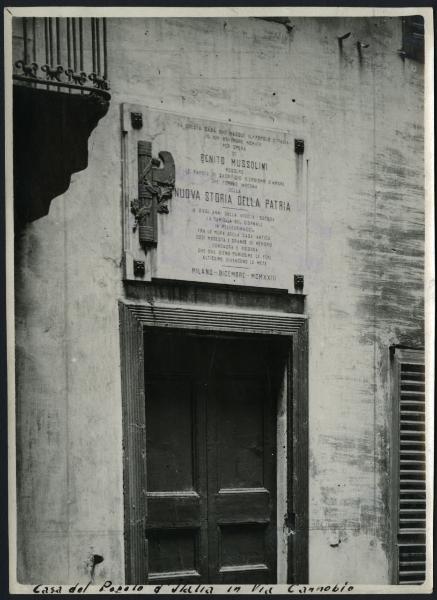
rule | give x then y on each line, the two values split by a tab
411	492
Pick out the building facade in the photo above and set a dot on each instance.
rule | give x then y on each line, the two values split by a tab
220	320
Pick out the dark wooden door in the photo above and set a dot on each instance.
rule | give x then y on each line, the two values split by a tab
211	458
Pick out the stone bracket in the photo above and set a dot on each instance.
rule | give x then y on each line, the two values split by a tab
51	131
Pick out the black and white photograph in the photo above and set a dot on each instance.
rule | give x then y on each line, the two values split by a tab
220	299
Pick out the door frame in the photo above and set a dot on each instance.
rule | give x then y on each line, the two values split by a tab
134	318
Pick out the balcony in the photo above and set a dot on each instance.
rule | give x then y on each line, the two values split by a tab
61	91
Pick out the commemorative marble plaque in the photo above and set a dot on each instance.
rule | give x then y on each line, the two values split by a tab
237	214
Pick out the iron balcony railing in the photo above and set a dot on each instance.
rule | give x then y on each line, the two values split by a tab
65	54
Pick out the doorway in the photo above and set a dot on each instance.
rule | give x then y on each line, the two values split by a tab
177	525
211	454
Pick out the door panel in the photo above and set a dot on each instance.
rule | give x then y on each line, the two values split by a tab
170	459
172	552
211	464
239	431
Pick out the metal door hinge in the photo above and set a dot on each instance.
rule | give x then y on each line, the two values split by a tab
290	522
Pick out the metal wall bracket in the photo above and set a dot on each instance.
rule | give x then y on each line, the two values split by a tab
136	119
298	282
299	146
139	268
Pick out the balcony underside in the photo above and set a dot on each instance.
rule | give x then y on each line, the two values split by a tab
51	131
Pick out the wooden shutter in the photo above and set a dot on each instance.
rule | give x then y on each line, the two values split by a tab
410	465
413	37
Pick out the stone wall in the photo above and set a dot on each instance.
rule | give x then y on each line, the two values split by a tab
361	116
